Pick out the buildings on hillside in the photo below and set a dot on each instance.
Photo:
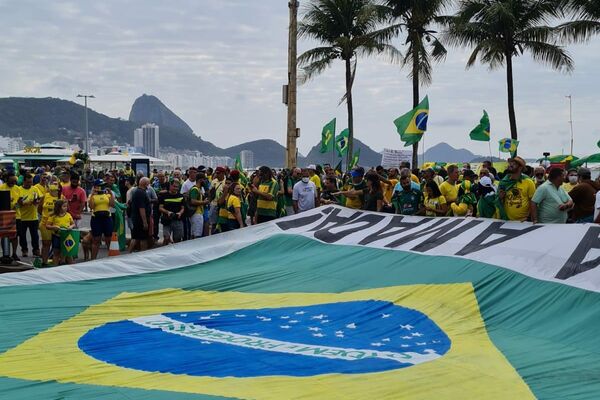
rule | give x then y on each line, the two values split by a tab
11	144
247	159
186	159
147	139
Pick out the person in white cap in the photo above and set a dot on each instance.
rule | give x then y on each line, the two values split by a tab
314	178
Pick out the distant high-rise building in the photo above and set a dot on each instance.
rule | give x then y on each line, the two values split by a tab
247	159
147	139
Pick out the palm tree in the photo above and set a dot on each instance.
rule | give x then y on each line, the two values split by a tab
346	29
416	18
584	21
500	30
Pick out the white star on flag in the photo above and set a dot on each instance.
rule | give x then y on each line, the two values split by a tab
406	337
340	335
285	327
320	316
339	332
215	315
318	335
385	315
404	345
205	342
325	321
300	313
407	327
385	340
285	317
351	326
314	329
417	334
254	334
421	343
294	321
183	315
240	315
207	317
377	344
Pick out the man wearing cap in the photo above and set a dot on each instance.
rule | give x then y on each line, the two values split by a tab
355	190
407	198
312	170
584	197
516	191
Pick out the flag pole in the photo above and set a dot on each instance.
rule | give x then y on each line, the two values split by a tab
490	148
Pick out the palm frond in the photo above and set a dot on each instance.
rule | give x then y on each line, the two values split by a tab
549	54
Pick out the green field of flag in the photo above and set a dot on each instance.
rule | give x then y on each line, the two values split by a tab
330	303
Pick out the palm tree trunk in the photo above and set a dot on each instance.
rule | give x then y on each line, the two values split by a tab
511	97
350	113
415	79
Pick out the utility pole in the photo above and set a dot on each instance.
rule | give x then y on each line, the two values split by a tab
570	97
87	129
290	96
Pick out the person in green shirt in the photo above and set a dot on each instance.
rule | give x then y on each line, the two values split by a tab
550	203
266	195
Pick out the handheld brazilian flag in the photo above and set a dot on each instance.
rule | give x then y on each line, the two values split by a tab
338	168
388	307
328	137
238	166
69	242
341	142
482	131
354	161
508	145
413	124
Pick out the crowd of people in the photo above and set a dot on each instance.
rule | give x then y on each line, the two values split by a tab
201	201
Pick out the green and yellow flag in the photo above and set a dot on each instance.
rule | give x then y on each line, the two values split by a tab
508	146
238	166
482	131
69	242
341	142
413	124
328	137
354	161
338	168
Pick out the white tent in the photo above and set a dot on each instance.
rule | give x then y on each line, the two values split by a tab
116	157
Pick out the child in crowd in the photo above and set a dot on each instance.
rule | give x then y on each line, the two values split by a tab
60	220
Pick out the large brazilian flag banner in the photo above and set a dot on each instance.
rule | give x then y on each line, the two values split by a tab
328	304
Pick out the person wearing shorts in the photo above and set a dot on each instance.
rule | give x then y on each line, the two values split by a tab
197	200
171	208
100	202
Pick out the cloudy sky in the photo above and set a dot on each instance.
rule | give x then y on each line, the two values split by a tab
220	64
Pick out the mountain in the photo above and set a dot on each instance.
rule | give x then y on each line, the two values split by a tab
368	156
150	109
49	119
266	152
447	153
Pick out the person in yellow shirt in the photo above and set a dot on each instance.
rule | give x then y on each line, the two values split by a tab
65	178
314	178
572	180
449	188
11	186
435	203
60	219
266	195
47	210
516	190
388	184
100	202
234	207
42	185
28	203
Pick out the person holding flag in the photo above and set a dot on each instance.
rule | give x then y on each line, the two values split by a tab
61	219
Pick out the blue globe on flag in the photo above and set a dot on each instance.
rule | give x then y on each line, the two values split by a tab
349	337
421	120
507	144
